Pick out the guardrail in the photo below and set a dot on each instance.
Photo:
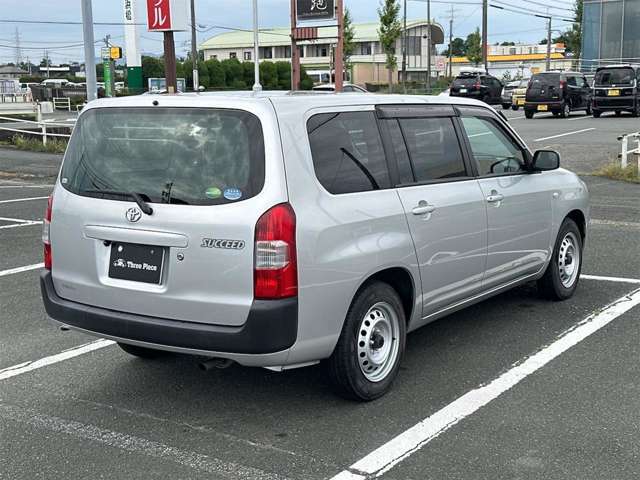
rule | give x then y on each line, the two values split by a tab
41	128
624	155
62	103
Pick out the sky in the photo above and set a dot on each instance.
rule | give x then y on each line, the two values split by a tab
503	25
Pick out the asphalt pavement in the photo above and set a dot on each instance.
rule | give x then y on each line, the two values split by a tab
103	414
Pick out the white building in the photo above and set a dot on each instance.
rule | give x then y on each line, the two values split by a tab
367	62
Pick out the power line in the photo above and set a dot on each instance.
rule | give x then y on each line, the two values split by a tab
540	15
502	2
62	22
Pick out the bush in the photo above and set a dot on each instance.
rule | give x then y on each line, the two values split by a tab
216	74
34	144
614	171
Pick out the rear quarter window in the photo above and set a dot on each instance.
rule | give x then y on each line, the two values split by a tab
347	152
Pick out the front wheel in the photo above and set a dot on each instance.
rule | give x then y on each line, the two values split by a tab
588	111
515	108
528	114
367	357
505	106
596	113
566	110
561	278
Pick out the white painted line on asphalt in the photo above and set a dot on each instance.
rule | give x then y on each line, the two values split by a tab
18	220
613	223
611	279
23	199
26	268
516	118
564	134
579	118
58	357
133	444
26	186
25	224
410	441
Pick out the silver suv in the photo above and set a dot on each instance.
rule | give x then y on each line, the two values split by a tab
281	230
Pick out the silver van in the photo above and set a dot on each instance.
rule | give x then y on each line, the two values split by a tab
282	230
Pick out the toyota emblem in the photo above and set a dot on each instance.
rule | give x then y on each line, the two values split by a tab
133	214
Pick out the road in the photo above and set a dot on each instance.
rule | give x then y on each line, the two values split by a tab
95	412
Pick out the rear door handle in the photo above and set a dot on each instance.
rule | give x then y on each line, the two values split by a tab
423	208
495	198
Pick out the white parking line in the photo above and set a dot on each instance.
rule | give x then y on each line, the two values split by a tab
579	118
611	279
563	134
18	222
26	268
410	441
23	199
26	186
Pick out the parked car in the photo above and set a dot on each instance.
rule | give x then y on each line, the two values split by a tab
280	230
507	93
347	88
559	93
478	86
616	90
519	94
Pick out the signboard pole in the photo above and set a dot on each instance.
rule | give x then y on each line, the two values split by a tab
89	50
295	54
194	47
170	63
256	49
134	61
339	60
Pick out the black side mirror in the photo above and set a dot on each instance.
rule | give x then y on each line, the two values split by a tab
544	160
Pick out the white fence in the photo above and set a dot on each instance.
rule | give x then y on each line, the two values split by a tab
624	155
38	128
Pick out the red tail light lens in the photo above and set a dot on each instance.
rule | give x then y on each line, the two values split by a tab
46	229
477	85
275	262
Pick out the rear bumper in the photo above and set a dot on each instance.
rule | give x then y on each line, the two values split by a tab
613	103
553	106
272	326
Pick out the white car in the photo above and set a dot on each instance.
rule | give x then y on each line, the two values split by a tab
347	88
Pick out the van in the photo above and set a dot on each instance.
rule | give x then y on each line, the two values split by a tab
282	230
480	86
559	93
615	89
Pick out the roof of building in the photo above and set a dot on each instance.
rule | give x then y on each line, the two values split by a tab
513	58
11	69
273	37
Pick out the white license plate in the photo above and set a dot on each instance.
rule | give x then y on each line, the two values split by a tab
463	90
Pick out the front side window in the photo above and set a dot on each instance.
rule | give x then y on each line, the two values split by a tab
181	156
494	152
433	148
347	152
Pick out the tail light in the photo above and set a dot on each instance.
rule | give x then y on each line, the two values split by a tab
46	230
563	83
275	263
477	85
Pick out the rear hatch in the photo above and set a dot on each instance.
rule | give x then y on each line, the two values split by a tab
614	82
208	174
465	85
544	87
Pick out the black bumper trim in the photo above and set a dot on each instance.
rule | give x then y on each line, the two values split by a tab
272	325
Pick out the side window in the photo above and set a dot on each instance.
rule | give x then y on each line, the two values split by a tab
347	152
433	148
494	151
405	171
571	80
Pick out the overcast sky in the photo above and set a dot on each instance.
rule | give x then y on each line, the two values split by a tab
504	26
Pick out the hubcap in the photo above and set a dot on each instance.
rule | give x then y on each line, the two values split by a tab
378	342
569	260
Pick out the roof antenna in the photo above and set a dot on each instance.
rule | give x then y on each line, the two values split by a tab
256	48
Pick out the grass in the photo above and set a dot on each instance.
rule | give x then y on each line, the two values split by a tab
35	144
614	171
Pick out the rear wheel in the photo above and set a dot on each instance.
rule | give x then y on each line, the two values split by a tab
528	114
636	110
596	113
486	99
588	111
367	357
565	110
618	113
515	107
140	352
505	106
561	278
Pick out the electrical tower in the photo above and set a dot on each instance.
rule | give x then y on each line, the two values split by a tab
18	49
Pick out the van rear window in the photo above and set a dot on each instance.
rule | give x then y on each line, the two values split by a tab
166	155
545	79
614	76
465	81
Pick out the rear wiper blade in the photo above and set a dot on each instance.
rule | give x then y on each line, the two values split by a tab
139	198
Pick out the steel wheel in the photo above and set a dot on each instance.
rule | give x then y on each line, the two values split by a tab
569	260
378	344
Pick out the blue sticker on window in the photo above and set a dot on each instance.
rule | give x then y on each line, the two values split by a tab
232	193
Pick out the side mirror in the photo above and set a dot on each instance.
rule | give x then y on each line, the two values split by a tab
544	160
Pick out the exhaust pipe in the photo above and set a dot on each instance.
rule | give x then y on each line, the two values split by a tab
211	363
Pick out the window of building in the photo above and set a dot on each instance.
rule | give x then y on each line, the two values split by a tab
414	46
365	48
247	56
213	57
301	51
233	55
287	52
347	152
512	51
611	41
266	52
591	33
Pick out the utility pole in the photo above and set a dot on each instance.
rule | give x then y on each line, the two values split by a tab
485	46
194	47
47	63
170	62
89	50
451	43
404	50
548	44
428	45
339	57
256	49
18	49
295	54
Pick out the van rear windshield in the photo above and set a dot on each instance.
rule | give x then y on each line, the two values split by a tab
614	76
545	79
465	81
166	155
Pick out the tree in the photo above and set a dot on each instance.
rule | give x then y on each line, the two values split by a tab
473	46
508	44
348	35
573	37
215	72
152	68
457	48
389	32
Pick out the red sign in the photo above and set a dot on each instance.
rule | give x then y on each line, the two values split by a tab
159	15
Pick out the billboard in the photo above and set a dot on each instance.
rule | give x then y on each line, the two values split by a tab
156	85
167	15
315	10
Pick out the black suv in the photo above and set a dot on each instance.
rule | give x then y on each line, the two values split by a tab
477	85
559	93
615	88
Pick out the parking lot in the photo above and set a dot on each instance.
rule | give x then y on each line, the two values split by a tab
515	387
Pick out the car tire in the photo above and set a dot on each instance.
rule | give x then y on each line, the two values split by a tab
140	352
487	99
565	110
367	358
636	110
515	108
618	113
588	110
562	275
505	106
596	113
528	114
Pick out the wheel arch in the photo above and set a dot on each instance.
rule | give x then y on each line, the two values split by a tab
401	280
580	219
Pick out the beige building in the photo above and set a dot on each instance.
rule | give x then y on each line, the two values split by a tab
367	62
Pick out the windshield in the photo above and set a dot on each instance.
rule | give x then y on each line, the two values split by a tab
545	79
166	155
614	76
